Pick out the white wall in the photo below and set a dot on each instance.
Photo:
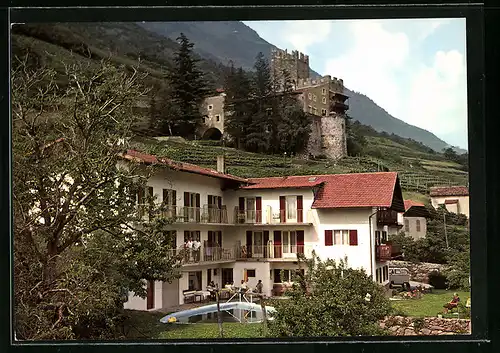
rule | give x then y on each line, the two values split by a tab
358	256
463	203
412	223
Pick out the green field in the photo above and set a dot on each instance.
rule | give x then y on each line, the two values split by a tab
429	305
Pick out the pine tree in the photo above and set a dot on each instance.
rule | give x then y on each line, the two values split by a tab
237	105
189	88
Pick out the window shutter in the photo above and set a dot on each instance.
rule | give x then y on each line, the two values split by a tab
174	197
353	237
219	202
300	211
300	241
282	209
219	238
241	204
277	244
198	201
266	240
249	243
258	209
328	237
186	199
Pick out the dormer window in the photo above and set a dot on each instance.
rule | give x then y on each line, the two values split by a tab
210	107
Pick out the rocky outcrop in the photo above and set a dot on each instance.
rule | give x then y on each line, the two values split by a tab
419	272
429	326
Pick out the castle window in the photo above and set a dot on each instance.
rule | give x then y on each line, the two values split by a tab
323	91
315	111
210	107
323	112
324	100
310	109
309	96
314	98
217	117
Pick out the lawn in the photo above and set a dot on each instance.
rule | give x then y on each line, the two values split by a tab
430	304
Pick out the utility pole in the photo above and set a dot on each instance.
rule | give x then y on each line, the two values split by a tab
445	231
219	316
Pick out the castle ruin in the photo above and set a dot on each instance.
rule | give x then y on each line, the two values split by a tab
323	100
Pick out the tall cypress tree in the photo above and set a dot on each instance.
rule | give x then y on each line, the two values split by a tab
189	88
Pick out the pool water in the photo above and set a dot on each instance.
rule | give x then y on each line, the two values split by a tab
246	316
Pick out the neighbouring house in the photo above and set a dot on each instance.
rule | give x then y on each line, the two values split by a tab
415	219
252	229
454	198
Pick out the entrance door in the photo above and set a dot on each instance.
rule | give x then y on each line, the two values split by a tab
150	298
250	210
291	209
258	244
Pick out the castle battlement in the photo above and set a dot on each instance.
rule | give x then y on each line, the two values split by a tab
294	55
336	84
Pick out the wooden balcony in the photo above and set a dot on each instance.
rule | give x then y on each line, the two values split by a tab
387	218
384	252
269	216
204	255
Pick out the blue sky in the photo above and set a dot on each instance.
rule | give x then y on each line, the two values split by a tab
413	68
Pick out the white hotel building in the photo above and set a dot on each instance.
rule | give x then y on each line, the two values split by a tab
252	228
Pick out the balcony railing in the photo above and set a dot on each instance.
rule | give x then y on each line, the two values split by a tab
268	216
272	251
204	254
186	214
384	252
387	217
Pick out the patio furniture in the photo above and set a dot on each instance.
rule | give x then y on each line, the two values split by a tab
189	296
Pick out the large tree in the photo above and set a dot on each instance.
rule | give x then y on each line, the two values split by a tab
78	238
189	88
330	299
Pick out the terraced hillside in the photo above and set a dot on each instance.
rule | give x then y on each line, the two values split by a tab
414	174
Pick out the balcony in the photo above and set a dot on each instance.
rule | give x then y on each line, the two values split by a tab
384	252
273	252
268	216
387	218
204	255
336	106
185	214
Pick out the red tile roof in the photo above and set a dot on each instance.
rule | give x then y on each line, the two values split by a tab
340	190
184	167
410	203
293	182
449	191
450	202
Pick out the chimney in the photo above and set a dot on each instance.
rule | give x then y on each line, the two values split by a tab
221	165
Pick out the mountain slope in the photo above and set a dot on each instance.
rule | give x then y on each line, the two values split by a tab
225	41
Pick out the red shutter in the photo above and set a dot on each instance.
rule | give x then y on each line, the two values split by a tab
197	209
282	209
353	237
300	241
277	244
174	198
328	237
219	238
241	204
186	199
258	208
219	202
300	211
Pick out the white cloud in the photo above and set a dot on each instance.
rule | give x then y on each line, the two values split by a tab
370	66
437	99
302	34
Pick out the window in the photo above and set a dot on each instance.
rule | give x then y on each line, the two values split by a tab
377	274
269	111
314	98
323	112
291	207
310	109
384	237
191	207
250	207
377	237
407	225
250	273
324	100
315	111
341	237
418	225
309	96
192	234
210	107
217	118
323	92
289	239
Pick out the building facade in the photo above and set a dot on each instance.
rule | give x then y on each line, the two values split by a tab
252	229
415	219
454	198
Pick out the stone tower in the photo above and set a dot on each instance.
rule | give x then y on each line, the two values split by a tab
296	63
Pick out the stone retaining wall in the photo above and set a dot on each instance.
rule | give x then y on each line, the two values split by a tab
429	326
419	272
